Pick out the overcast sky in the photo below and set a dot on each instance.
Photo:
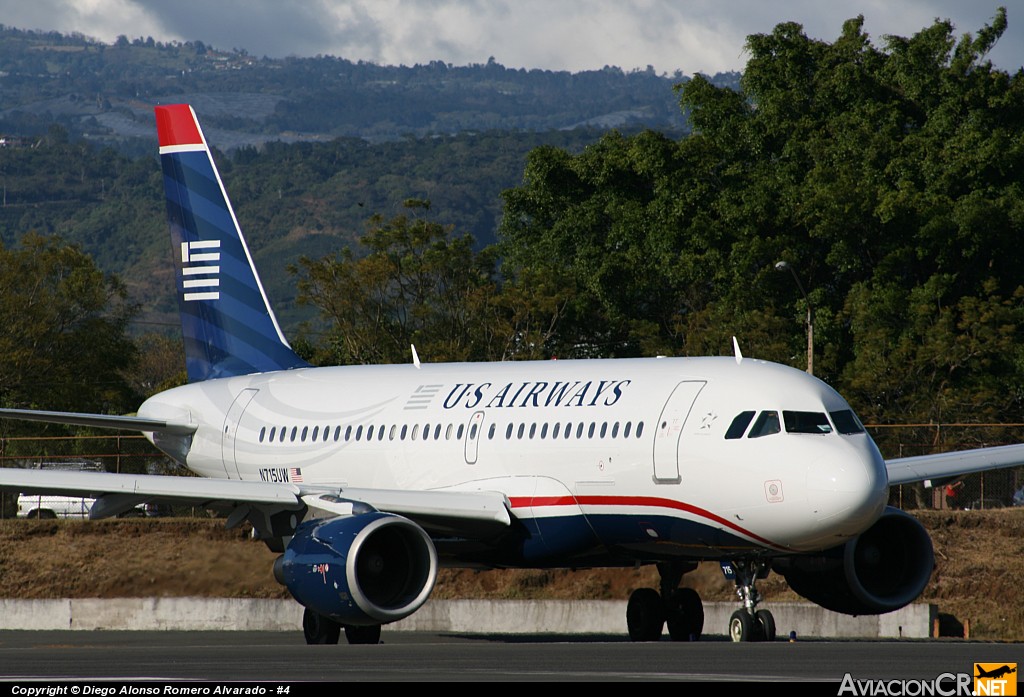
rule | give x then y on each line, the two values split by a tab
688	35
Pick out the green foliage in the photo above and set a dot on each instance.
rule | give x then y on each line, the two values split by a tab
419	285
890	179
64	344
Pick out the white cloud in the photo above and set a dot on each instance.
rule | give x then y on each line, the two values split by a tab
698	35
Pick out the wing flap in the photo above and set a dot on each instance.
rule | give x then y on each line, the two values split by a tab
905	470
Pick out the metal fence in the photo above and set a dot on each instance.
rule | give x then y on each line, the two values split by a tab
995	489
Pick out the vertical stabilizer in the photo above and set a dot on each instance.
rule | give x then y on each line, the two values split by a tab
228	325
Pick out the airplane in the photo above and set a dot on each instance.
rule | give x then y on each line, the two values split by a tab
366	479
996	672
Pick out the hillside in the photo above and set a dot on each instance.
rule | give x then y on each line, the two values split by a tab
978	563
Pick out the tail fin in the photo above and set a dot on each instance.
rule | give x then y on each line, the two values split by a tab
227	323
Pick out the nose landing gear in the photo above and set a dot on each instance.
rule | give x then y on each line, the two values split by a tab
749	623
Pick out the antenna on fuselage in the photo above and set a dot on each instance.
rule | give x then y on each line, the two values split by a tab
415	356
736	351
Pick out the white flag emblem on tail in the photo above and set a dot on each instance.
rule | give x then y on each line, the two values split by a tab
200	270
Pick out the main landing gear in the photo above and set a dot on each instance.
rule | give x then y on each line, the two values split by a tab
648	611
748	623
323	630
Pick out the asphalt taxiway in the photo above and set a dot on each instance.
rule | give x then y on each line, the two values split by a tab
413	656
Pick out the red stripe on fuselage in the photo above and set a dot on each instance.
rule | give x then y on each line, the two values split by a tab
176	125
646	501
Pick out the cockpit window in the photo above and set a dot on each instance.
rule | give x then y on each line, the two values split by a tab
846	422
767	423
739	425
806	422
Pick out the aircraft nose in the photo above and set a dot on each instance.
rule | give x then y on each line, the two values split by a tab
848	489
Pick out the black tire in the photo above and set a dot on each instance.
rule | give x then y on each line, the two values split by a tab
362	635
42	514
765	621
645	616
741	626
319	629
685	615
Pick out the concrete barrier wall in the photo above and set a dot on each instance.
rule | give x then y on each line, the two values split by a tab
459	616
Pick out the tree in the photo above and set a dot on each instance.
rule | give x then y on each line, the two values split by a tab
64	344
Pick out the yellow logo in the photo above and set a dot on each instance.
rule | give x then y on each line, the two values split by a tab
995	678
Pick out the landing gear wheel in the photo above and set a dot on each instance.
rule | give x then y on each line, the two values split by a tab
741	626
319	629
645	616
685	615
363	635
765	622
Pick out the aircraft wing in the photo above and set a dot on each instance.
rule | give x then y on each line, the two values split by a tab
461	513
905	470
128	423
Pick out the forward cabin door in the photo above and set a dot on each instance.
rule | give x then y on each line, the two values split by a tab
669	431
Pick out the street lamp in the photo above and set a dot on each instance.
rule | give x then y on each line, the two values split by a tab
786	266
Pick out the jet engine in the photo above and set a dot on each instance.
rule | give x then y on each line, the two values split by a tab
881	570
359	570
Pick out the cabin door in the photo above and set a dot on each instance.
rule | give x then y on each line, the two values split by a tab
669	430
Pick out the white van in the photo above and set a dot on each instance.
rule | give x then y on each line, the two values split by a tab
46	506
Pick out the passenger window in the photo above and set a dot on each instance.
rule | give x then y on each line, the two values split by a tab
359	433
462	429
391	435
568	430
448	432
579	430
295	432
490	432
273	432
405	431
806	422
380	433
263	433
426	431
846	423
508	432
533	430
554	433
767	423
615	430
639	429
739	425
472	431
437	432
337	433
604	429
626	430
305	430
544	430
521	431
590	432
316	432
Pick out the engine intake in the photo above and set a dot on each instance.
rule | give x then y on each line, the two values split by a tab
881	570
359	570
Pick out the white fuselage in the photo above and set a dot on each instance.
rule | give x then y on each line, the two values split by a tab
618	443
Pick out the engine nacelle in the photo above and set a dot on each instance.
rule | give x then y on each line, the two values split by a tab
365	569
881	570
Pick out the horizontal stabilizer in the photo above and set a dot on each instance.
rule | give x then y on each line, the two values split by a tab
127	423
148	487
